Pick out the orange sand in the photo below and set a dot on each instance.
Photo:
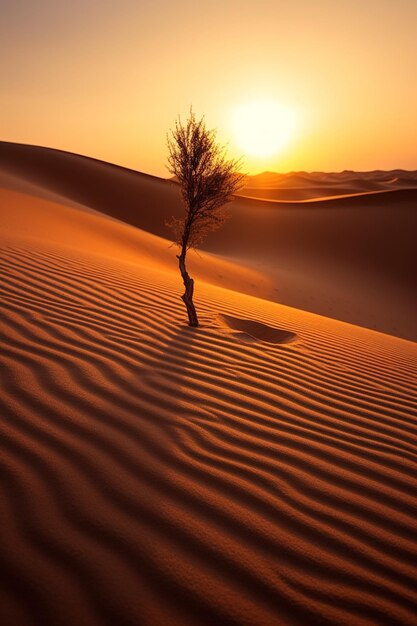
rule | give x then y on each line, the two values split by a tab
258	470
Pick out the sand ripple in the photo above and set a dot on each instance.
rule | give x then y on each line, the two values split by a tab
153	474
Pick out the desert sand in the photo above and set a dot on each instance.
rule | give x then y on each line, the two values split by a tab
258	470
351	258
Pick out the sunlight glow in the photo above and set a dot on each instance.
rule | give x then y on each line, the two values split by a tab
262	128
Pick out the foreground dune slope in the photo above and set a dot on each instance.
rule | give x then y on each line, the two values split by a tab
25	215
351	258
258	470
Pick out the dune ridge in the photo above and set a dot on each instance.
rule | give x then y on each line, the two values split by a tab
309	255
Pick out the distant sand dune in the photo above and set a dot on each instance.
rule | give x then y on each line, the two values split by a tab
305	186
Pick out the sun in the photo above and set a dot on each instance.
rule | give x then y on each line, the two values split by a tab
263	127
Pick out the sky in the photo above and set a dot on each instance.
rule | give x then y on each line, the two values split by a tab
108	79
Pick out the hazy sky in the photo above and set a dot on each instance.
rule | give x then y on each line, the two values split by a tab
107	79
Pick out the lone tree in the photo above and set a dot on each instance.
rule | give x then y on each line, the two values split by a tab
208	181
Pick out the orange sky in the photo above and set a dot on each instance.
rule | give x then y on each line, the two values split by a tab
107	79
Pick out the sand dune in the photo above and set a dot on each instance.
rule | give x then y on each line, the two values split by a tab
300	186
44	220
135	198
156	474
349	258
258	470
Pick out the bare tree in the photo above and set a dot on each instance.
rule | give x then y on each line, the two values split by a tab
208	181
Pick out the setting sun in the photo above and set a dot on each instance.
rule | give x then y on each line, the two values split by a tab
263	128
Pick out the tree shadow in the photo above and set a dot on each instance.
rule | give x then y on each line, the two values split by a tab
175	355
181	380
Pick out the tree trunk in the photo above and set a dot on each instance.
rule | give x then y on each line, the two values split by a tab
187	296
